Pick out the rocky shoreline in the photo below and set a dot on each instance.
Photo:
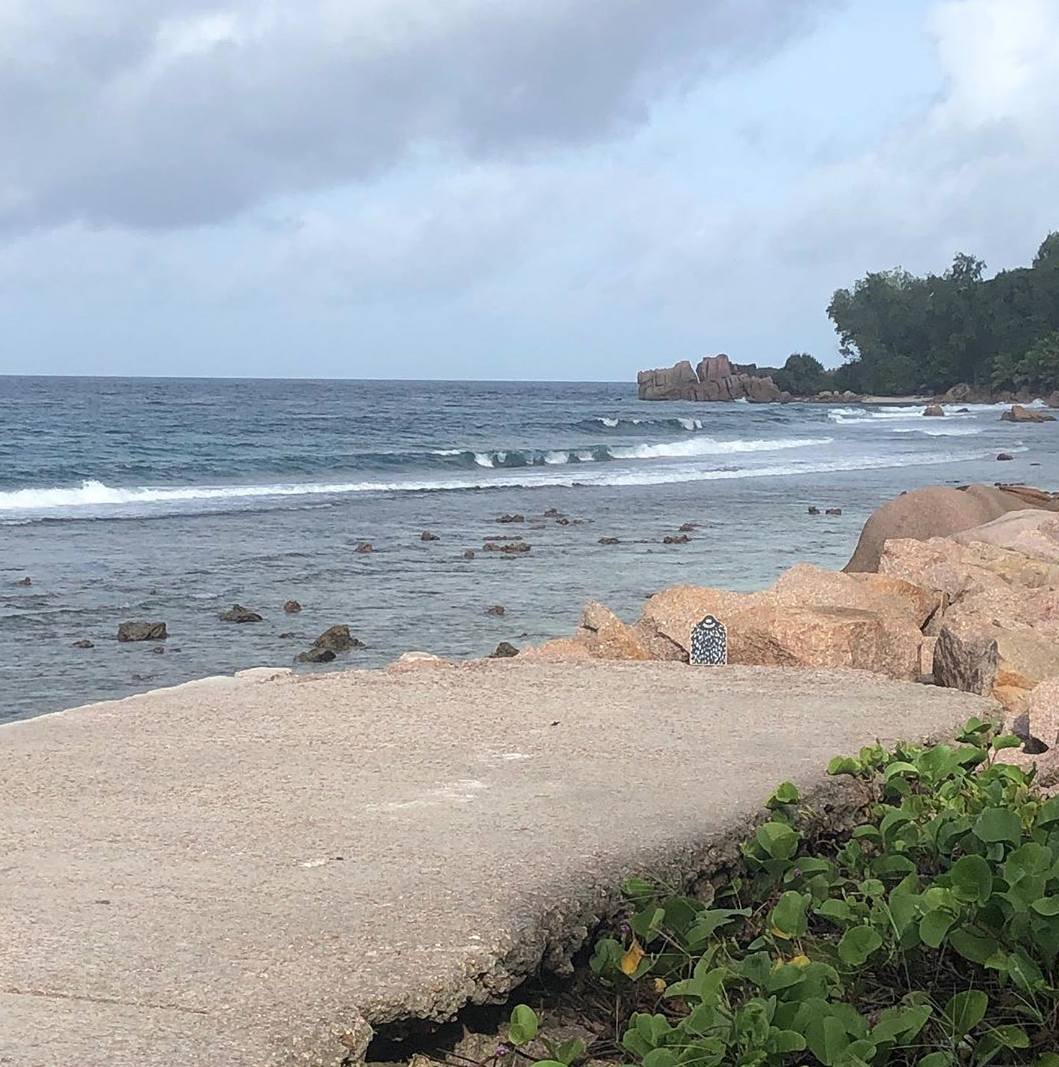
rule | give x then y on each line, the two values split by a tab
951	587
717	378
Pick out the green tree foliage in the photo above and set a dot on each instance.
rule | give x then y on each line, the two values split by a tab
900	333
802	375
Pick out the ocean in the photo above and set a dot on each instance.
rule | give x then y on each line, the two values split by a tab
171	499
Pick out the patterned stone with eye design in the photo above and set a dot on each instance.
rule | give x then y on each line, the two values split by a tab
709	643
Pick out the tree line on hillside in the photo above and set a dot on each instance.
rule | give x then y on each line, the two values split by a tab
904	334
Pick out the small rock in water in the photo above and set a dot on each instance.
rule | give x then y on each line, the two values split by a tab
237	613
142	631
505	650
688	527
510	548
1019	413
288	635
553	513
934	409
814	511
609	541
27	581
315	655
833	511
364	546
511	518
337	639
1002	456
84	643
468	553
159	650
292	607
496	609
675	539
426	535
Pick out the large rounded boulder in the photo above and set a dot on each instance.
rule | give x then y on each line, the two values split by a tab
936	511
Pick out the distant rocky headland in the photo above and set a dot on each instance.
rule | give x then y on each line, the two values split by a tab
715	378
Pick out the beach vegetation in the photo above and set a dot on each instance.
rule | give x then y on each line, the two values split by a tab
924	933
902	333
802	375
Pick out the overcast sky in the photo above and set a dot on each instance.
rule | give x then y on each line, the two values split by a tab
498	188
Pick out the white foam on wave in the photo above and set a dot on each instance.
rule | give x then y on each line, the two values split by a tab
939	431
681	422
93	498
867	414
707	446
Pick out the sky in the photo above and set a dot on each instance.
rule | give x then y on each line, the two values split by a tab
499	189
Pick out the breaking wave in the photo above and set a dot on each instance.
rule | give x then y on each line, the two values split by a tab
866	414
94	499
679	424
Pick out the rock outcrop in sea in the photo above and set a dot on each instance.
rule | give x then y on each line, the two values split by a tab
715	378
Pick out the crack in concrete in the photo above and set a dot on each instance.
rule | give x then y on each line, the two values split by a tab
48	994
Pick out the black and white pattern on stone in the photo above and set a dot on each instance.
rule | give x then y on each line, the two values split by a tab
709	642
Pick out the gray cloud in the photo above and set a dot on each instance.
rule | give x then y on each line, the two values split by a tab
166	113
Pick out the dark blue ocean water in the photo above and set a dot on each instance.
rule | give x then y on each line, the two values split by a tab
170	499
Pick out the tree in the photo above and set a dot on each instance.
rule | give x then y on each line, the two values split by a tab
1039	367
900	333
802	375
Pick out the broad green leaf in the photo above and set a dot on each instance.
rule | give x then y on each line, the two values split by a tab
1046	906
835	910
787	793
1048	814
647	923
971	946
1022	970
778	840
844	765
971	878
708	922
569	1051
788	918
964	1012
1010	1036
998	824
937	1059
639	890
524	1023
858	944
934	926
786	1041
1007	741
904	770
903	1022
657	1057
827	1039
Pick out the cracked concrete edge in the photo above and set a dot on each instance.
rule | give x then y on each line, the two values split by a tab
547	935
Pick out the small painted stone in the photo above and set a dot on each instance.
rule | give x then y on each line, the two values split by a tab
709	643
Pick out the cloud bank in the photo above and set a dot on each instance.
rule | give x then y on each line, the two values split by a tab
168	113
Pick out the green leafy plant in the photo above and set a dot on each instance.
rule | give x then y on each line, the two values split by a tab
927	934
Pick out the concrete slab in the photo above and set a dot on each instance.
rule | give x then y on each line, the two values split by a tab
241	871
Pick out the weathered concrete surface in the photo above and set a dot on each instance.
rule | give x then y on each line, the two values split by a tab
231	872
